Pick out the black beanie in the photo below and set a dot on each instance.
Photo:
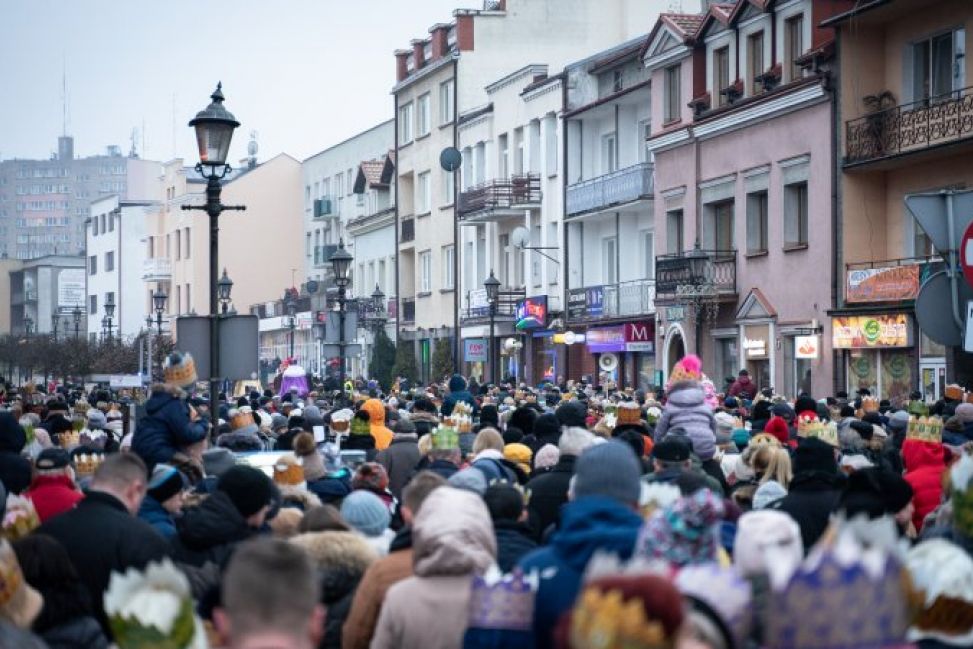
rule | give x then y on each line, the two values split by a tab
875	492
165	483
572	413
814	455
863	428
804	403
761	410
547	427
249	489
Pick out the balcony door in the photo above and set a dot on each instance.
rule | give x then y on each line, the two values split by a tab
609	261
718	226
609	153
937	66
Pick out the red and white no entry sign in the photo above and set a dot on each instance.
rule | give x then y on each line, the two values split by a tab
966	254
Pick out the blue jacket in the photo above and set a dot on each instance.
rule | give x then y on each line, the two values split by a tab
458	392
152	512
165	428
589	524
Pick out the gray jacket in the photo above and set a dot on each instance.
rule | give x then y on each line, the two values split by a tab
686	408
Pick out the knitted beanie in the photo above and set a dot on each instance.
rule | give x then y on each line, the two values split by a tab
547	455
166	482
217	461
249	489
365	512
610	470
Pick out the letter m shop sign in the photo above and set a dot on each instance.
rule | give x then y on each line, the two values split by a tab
640	336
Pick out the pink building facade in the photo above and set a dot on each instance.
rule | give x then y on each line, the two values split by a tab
743	142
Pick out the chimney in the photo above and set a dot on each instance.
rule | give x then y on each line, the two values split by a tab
401	64
418	53
464	30
440	40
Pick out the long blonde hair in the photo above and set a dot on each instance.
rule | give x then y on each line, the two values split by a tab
771	463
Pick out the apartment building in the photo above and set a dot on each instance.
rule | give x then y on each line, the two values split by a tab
440	87
742	135
903	120
44	291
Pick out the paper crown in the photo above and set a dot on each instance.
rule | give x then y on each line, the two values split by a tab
242	422
722	590
288	472
918	408
69	439
502	602
87	463
628	412
925	429
870	404
810	426
180	369
605	619
445	438
954	392
462	408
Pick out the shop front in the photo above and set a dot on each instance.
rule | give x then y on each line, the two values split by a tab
625	354
531	332
878	353
475	352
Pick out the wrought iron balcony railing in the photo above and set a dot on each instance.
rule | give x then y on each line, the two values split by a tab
622	186
500	194
695	274
910	127
477	309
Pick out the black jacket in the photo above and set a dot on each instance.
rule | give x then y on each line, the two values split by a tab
513	542
15	471
547	493
79	633
101	537
812	497
399	460
210	532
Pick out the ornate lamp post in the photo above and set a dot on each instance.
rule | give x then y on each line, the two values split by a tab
224	287
290	304
492	286
77	320
109	314
159	305
28	325
340	265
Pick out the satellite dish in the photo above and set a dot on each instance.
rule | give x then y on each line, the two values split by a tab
450	159
608	362
311	286
520	237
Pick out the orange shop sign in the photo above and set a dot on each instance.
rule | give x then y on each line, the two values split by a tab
887	284
870	331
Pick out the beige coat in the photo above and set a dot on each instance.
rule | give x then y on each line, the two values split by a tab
452	540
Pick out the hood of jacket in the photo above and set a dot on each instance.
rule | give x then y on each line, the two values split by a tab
686	395
341	559
452	534
12	435
376	412
161	397
917	454
214	522
594	523
457	383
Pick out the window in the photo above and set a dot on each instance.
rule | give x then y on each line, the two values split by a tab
793	45
609	260
422	193
92	305
381	275
189	299
718	226
111	222
795	215
755	60
448	257
110	297
94	223
109	261
932	67
448	188
422	106
609	153
405	123
756	222
645	132
178	299
447	101
674	231
550	141
103	223
618	81
307	245
647	249
721	74
671	94
425	272
178	234
187	248
503	158
351	181
93	265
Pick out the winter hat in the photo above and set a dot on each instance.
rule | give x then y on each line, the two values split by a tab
768	542
547	455
19	603
547	426
469	479
688	368
874	493
942	576
217	461
180	369
277	420
365	512
513	435
571	413
52	459
404	427
371	476
671	449
685	532
722	601
899	421
610	470
804	403
814	455
767	493
964	412
783	410
519	454
760	411
96	419
165	482
725	422
249	489
741	437
242	422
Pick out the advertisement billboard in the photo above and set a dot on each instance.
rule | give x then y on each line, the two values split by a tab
870	331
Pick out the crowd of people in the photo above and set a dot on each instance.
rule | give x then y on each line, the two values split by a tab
448	515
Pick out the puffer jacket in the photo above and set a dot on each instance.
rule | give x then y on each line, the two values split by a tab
341	559
452	540
210	532
458	392
53	495
152	512
165	429
376	420
743	385
924	468
686	408
400	460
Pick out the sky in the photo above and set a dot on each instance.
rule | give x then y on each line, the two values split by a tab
303	74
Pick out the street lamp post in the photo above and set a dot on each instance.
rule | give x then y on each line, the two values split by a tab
214	129
224	287
109	314
55	320
340	265
28	325
159	305
77	320
492	286
290	304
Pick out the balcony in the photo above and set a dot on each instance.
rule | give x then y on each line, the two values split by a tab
695	275
158	269
324	208
408	309
323	253
408	233
619	187
624	299
888	280
30	295
476	309
909	128
501	198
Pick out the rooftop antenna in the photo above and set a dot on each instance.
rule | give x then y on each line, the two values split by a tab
64	94
252	150
133	138
174	125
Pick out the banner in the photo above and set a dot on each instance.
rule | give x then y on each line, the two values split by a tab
532	313
857	332
70	287
807	347
606	339
890	284
475	350
586	302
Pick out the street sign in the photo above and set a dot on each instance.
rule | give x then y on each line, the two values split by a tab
930	210
934	306
966	254
334	351
238	344
968	339
332	327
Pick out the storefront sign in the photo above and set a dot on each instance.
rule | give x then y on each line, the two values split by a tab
640	337
606	339
755	341
532	313
586	302
475	350
857	332
479	305
807	347
576	303
675	313
889	284
568	338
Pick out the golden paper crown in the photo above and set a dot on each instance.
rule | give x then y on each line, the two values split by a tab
809	426
241	420
628	412
954	392
925	429
869	404
462	408
288	472
86	464
69	439
606	621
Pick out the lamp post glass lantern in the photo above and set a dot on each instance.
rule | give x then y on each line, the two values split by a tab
492	286
224	287
77	320
159	305
340	262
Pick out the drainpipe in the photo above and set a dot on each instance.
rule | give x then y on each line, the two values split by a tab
457	342
837	239
563	266
398	224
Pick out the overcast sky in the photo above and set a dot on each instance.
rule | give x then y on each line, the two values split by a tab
304	74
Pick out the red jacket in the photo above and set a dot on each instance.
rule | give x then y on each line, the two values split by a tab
924	467
741	385
53	495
